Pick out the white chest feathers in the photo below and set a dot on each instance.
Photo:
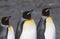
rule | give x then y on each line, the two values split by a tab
11	34
50	32
29	30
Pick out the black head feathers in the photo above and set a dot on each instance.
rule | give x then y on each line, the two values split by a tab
27	14
5	20
45	12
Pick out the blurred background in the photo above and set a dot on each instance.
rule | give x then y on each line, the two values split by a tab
15	8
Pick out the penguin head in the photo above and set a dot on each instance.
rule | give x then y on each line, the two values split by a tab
27	14
45	12
5	20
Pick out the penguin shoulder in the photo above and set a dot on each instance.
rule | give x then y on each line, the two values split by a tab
49	19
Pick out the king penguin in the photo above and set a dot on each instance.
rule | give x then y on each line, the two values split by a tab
6	30
46	28
27	28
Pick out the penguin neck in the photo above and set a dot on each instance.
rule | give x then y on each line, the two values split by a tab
4	25
44	17
48	16
28	19
22	19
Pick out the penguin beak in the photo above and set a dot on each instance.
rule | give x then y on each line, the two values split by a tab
31	10
8	18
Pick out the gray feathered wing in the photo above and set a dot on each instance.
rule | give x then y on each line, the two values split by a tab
19	29
3	32
41	29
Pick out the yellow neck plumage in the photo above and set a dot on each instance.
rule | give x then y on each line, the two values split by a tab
9	27
49	19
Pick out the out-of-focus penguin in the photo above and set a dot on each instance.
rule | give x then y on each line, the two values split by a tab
27	28
6	30
46	28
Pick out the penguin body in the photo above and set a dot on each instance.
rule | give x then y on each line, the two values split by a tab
29	30
6	29
46	28
26	28
11	34
50	29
